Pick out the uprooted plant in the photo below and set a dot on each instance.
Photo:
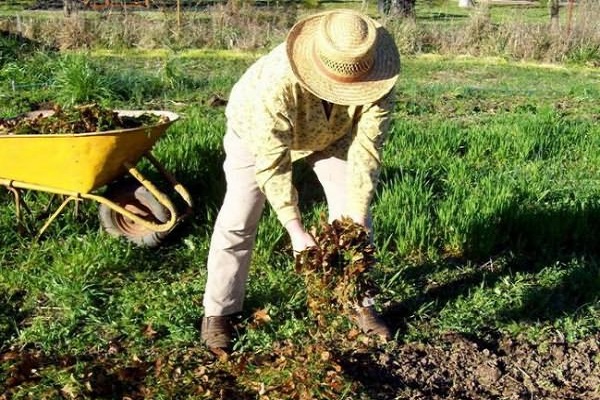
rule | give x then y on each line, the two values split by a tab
336	271
77	119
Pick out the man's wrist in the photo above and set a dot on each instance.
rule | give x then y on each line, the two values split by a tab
294	227
359	219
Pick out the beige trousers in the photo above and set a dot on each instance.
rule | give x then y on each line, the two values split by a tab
236	225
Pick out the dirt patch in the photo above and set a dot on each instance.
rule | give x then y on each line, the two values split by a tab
457	367
451	367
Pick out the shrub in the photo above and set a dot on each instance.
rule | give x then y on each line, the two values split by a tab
14	46
78	80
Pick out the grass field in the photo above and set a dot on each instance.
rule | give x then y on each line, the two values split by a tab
486	221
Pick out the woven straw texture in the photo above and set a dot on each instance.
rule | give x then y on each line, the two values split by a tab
343	57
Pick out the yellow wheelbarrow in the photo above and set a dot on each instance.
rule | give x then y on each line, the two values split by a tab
76	166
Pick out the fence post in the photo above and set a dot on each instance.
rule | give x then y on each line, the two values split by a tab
570	17
178	16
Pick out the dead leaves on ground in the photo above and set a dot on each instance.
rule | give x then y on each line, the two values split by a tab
335	273
101	375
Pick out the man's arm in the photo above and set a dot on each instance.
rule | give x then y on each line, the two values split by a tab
364	157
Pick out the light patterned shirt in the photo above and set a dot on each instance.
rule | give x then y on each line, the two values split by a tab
281	121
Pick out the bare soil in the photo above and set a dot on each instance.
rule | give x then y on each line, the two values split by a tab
457	367
452	367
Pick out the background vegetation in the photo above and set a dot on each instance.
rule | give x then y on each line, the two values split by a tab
522	32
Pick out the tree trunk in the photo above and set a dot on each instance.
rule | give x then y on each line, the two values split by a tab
68	7
403	8
554	8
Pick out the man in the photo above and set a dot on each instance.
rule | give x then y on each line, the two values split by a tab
326	95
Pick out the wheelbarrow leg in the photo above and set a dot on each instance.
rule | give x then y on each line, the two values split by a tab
46	210
19	202
56	213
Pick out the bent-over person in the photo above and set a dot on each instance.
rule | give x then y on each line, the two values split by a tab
326	95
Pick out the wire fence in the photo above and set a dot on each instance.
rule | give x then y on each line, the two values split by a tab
15	86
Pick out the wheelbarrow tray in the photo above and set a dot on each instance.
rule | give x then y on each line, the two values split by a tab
79	162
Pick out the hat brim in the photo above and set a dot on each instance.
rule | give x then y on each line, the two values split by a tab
376	83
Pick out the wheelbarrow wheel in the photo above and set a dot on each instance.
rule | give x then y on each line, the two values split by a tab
135	198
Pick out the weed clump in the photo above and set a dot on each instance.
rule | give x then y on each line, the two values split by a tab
77	119
336	271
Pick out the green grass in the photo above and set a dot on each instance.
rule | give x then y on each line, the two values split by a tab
15	5
486	219
447	11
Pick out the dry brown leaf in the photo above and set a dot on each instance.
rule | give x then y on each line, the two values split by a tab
352	334
261	317
149	332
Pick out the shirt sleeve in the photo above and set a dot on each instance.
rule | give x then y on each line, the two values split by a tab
270	144
364	155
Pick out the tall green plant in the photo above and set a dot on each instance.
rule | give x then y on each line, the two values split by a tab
79	80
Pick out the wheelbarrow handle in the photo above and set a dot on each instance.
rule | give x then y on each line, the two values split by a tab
178	187
162	198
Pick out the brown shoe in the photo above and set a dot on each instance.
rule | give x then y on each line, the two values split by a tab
217	333
371	323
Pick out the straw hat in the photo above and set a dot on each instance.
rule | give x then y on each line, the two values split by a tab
343	56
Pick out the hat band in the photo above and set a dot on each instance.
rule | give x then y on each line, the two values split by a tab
341	71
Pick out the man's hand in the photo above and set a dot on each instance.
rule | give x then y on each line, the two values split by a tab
301	239
361	220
